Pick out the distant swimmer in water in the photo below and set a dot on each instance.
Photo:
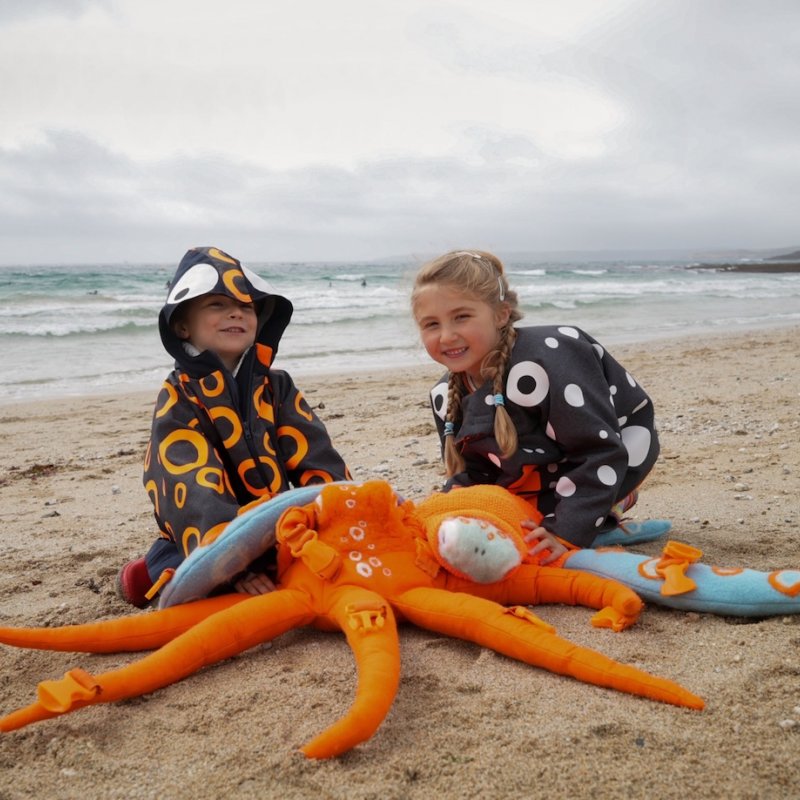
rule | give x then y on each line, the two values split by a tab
364	282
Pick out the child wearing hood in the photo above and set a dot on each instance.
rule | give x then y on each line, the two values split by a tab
227	429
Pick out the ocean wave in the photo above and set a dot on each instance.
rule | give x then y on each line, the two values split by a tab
65	328
347	316
100	380
74	330
366	296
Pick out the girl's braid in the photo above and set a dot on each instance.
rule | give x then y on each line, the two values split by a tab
453	460
504	431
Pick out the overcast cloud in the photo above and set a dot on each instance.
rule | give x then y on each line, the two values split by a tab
131	130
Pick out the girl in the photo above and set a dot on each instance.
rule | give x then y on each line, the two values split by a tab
544	411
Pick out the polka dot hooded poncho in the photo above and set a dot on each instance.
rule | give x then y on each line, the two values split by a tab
586	431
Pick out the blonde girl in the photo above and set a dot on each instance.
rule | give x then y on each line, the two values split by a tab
545	411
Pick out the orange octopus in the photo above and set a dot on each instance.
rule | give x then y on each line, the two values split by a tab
358	559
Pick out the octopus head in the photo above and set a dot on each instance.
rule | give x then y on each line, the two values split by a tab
476	549
476	532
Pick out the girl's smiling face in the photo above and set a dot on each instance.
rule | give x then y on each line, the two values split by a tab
457	330
219	323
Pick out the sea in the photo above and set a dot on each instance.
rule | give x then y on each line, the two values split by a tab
82	329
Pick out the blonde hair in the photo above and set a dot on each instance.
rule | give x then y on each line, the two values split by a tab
481	276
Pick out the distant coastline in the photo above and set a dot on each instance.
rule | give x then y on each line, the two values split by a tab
775	266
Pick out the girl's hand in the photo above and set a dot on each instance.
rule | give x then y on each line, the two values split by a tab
254	583
542	540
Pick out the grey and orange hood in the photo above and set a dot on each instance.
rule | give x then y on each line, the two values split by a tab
209	270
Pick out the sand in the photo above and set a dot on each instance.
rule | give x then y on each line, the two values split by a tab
466	723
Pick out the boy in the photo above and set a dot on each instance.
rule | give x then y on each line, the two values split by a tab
227	428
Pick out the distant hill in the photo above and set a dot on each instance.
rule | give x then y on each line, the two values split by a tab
793	256
742	254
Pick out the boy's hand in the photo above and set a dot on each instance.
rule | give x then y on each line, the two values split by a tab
254	583
542	540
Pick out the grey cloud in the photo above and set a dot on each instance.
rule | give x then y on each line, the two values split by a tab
21	10
693	77
72	199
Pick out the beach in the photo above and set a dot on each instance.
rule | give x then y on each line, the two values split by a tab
466	723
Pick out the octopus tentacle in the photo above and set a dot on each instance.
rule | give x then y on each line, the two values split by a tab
534	585
219	636
124	634
371	630
490	625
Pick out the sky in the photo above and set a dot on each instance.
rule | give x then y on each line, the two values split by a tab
131	130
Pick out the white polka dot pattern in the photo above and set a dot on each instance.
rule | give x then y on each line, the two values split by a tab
607	475
637	442
573	394
516	384
565	487
585	427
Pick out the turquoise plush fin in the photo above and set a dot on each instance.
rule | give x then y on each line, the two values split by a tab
245	538
633	533
690	586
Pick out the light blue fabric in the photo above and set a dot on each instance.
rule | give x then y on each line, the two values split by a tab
745	594
244	539
633	533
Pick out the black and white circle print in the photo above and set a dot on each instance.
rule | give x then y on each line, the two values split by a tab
439	400
198	280
256	281
527	384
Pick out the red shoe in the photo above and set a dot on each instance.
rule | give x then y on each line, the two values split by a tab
133	583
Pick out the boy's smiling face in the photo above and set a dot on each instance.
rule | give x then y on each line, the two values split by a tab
218	323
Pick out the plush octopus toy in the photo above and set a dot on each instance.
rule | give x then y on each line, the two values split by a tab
357	558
